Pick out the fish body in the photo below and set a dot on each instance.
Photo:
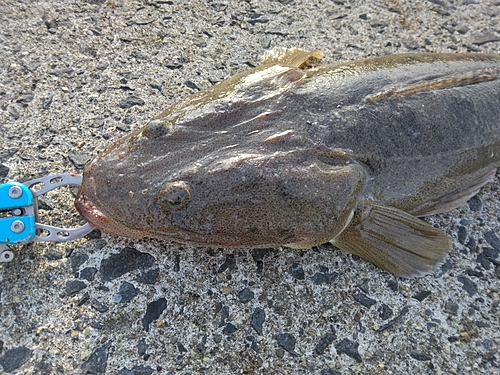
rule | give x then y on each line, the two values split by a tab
298	154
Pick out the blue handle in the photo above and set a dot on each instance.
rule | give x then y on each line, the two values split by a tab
19	228
7	202
9	237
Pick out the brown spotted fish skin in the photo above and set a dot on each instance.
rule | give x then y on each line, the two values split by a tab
294	153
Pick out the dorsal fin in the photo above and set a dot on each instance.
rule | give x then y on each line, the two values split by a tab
296	57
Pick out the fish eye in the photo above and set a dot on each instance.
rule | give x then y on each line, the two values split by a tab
175	195
156	128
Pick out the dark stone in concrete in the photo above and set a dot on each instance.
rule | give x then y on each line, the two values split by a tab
153	312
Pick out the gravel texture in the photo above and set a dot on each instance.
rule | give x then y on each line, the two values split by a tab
77	75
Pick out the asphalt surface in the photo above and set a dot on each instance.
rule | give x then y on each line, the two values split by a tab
77	75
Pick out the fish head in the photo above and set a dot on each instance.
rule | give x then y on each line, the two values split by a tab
213	171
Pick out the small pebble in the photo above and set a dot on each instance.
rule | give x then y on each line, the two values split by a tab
486	37
96	324
74	286
297	271
490	253
229	263
420	296
63	72
181	348
142	347
320	278
224	315
364	300
4	171
475	203
324	343
79	158
127	292
446	267
420	356
131	101
77	260
471	244
153	312
129	259
385	312
468	285
148	277
462	234
258	319
15	358
230	328
287	341
245	295
350	348
98	305
88	273
488	344
393	284
493	240
98	360
483	261
451	307
365	286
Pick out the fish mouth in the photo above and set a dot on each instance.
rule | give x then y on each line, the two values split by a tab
97	219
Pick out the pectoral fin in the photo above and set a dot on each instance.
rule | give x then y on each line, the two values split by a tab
394	241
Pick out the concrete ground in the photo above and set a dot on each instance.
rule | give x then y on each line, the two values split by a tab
77	75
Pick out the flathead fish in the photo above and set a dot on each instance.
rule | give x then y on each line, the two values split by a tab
295	153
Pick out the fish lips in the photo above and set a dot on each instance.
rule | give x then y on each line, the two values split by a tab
96	218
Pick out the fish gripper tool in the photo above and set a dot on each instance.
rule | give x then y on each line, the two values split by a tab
19	214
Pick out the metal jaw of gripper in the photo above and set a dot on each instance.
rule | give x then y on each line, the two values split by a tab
19	214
